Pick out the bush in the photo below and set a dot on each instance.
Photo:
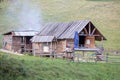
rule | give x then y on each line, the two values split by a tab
11	68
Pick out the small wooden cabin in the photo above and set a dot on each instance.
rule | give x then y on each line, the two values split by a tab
18	41
43	45
64	34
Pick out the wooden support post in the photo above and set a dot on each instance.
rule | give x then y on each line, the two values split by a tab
85	30
102	41
12	44
55	48
96	58
93	31
51	51
89	28
24	38
73	55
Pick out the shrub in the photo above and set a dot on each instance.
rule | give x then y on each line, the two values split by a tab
11	68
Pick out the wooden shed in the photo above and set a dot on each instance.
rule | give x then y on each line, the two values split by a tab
18	41
43	45
64	34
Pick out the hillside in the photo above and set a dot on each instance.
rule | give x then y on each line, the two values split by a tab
15	67
103	13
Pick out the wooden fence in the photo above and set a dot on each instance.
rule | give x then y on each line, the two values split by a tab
112	57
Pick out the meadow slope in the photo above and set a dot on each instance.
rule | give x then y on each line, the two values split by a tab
105	14
14	67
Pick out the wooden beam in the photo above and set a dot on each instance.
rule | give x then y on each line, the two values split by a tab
102	38
102	41
85	30
24	42
89	28
83	35
93	31
97	35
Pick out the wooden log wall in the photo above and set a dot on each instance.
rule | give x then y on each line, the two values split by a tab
38	48
90	42
16	44
7	43
61	46
70	43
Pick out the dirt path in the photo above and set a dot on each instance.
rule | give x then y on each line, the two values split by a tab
6	51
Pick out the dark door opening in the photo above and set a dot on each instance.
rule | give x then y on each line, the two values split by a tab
81	41
28	40
22	50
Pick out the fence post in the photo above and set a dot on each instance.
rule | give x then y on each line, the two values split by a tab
95	58
107	57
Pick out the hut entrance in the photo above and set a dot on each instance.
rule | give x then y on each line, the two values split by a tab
22	50
46	47
28	39
81	41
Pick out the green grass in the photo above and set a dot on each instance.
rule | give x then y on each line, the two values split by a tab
58	69
103	13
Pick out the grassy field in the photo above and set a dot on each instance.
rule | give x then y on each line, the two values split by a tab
103	13
37	68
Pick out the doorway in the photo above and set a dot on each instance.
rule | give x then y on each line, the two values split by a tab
22	49
81	41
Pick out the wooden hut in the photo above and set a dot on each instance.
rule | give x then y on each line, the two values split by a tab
18	41
43	45
64	34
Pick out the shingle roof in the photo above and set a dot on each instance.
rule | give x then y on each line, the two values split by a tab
42	38
25	33
63	30
75	26
22	33
66	30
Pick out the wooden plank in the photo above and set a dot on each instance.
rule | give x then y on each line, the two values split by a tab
85	30
93	31
89	28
